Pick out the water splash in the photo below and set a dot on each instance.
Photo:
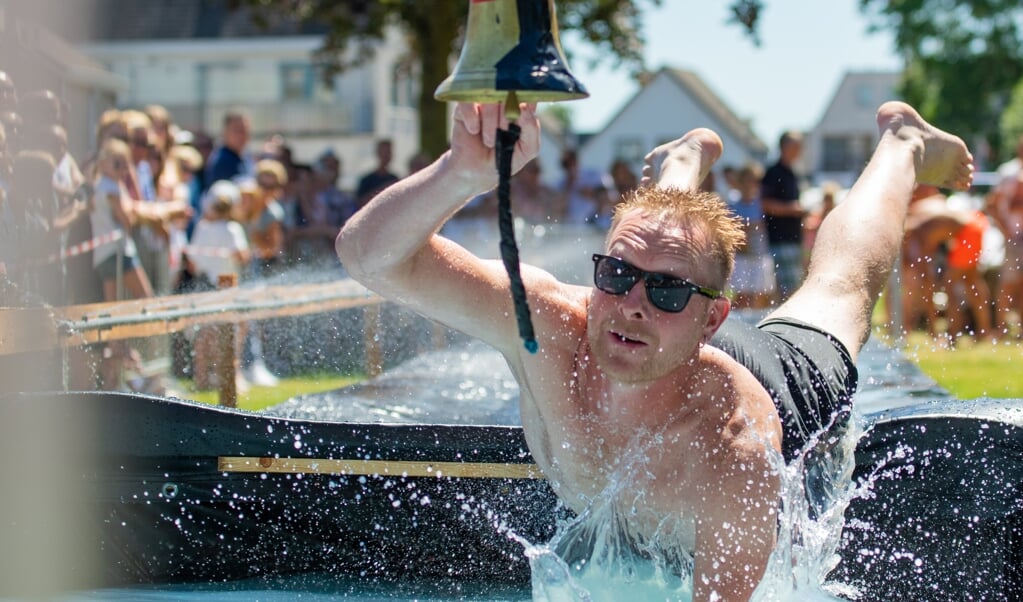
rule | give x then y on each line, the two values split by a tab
597	555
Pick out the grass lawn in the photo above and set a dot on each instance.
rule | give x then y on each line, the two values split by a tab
971	369
258	398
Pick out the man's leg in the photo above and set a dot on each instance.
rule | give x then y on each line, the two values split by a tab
684	162
859	241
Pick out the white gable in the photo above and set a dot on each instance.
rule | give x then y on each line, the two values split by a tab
662	110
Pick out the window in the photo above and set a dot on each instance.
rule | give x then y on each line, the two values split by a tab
837	154
864	96
304	82
403	89
630	150
296	82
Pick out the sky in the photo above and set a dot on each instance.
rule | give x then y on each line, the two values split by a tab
785	83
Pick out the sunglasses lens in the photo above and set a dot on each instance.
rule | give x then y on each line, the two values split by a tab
613	276
671	299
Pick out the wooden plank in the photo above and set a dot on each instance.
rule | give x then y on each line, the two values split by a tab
29	329
461	470
38	329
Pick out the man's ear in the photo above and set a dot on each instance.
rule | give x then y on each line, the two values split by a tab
716	314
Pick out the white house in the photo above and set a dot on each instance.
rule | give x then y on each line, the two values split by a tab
840	144
672	101
199	60
36	58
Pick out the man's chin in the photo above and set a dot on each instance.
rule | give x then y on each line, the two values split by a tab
630	367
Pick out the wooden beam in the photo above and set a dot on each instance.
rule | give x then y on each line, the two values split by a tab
40	329
394	468
26	330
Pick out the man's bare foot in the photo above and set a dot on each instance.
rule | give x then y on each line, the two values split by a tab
943	161
684	162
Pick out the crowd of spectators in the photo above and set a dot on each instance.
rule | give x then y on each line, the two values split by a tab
155	209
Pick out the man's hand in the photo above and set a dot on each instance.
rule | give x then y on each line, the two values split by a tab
474	135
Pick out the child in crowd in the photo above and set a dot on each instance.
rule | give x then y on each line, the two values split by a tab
219	247
752	282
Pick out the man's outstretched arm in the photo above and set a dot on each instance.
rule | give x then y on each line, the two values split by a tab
391	245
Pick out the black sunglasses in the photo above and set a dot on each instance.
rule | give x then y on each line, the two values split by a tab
666	293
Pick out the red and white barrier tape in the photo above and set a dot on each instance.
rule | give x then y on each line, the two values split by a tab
82	247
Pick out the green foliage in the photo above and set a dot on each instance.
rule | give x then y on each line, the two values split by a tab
1011	124
963	59
434	29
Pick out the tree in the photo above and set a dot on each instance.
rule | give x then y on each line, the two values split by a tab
963	58
434	30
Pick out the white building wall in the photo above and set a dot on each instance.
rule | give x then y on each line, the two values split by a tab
850	114
198	80
660	112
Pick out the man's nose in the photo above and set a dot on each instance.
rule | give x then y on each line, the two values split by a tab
634	303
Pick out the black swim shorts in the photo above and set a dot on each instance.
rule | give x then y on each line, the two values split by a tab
809	374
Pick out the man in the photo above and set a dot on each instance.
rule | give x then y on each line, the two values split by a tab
381	177
627	373
339	204
228	161
783	214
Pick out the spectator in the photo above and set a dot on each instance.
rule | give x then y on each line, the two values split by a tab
829	197
219	247
312	237
381	177
34	214
933	224
152	239
752	282
584	189
624	181
14	126
1007	210
228	161
263	217
265	225
532	200
784	214
339	204
113	214
8	93
418	161
163	129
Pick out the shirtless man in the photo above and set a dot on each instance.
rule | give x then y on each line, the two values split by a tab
637	359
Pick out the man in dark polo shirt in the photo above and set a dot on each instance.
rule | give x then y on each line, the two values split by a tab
381	177
784	215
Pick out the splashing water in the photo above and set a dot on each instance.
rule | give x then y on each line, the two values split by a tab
597	556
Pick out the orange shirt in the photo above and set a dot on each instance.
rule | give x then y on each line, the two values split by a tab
965	252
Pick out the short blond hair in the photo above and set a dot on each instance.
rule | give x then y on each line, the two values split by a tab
114	149
694	208
274	168
186	156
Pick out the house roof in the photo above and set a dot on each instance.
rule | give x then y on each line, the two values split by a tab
709	101
715	106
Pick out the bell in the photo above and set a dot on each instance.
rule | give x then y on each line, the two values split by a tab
511	46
